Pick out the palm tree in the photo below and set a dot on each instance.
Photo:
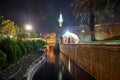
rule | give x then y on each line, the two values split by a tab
93	8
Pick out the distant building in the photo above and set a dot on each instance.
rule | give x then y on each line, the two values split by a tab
50	38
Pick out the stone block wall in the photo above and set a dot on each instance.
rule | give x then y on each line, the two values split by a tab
101	61
106	31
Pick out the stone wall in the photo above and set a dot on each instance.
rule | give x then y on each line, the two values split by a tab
101	61
102	31
106	31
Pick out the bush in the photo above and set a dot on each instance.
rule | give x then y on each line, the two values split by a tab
3	59
11	49
38	44
22	47
5	47
28	46
14	50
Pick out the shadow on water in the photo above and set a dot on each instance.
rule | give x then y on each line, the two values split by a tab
59	67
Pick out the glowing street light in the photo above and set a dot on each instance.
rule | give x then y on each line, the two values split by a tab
67	33
28	27
83	31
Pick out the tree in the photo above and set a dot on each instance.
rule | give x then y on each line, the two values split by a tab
20	33
93	8
8	28
33	34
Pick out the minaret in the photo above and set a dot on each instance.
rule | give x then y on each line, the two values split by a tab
60	20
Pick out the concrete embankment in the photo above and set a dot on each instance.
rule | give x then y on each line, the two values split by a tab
34	67
100	60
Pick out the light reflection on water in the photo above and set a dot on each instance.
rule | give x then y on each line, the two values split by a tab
74	70
59	67
50	56
69	65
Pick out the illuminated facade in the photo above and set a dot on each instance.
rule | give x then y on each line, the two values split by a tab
51	38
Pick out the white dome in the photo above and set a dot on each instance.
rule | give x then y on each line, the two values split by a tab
67	34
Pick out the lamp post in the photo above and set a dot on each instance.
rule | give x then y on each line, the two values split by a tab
83	31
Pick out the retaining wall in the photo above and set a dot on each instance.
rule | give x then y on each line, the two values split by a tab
100	60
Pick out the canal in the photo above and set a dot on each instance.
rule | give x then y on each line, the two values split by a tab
60	67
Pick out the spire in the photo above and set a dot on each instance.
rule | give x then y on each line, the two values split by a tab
60	19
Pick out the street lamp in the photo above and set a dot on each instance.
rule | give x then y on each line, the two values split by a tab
28	27
83	31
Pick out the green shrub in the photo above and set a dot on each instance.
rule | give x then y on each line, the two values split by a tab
38	44
12	57
28	46
14	50
22	47
5	47
18	51
3	59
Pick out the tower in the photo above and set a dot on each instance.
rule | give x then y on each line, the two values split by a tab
60	20
58	29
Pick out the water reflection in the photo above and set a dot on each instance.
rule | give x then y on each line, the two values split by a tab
69	65
75	71
59	67
52	70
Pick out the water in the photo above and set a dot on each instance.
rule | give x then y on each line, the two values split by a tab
59	67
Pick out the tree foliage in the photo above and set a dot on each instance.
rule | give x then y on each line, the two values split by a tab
8	28
100	8
11	50
20	33
88	10
33	34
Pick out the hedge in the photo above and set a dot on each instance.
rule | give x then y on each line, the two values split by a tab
13	50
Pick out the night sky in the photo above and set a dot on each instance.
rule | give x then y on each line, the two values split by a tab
41	14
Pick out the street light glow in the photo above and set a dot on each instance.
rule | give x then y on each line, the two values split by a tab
28	27
67	33
83	31
83	34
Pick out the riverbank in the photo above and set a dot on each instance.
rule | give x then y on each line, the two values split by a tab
17	70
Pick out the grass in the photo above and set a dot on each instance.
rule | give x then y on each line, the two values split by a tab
110	40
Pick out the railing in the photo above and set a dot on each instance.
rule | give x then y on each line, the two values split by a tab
34	67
